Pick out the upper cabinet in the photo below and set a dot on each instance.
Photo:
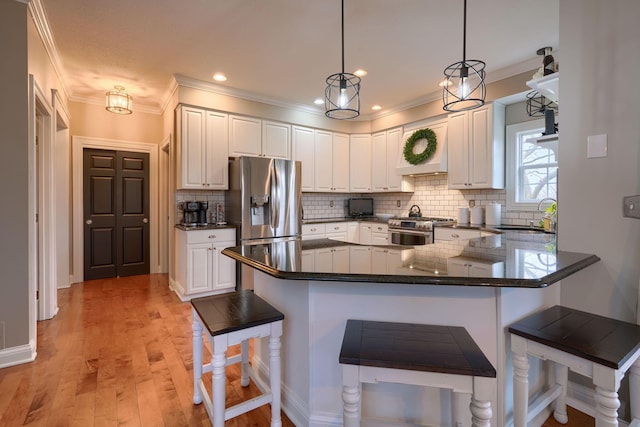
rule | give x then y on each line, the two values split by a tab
331	162
202	149
360	163
385	147
476	148
303	142
261	138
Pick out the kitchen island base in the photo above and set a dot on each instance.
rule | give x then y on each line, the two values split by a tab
316	313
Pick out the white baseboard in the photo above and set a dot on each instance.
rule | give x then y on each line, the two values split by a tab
17	355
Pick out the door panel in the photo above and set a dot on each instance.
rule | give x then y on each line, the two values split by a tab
116	212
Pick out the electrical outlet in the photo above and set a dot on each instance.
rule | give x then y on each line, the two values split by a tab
631	206
331	204
397	203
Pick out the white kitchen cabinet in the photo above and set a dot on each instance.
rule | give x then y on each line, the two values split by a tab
471	267
329	260
303	142
360	173
201	269
360	259
448	234
276	140
385	260
202	149
244	136
476	148
336	230
331	162
379	234
353	232
313	231
364	233
385	147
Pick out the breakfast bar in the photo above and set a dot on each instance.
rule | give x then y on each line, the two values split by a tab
482	284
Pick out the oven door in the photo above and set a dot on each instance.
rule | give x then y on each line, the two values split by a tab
410	237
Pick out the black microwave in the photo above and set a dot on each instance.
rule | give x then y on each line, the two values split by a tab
361	206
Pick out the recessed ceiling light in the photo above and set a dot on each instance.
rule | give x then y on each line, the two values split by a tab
219	77
376	108
360	72
318	101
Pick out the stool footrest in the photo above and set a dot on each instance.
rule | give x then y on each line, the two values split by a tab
542	401
247	405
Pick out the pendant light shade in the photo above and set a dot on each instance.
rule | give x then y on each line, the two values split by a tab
119	101
464	87
342	95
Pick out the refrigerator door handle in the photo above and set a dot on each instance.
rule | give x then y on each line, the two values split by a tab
274	207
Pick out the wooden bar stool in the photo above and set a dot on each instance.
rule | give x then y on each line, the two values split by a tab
228	320
597	347
425	355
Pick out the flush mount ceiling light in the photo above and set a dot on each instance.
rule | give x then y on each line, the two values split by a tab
119	101
465	89
342	95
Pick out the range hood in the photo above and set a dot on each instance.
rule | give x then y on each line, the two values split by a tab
437	163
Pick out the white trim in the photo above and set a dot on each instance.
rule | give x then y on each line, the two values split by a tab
17	355
78	144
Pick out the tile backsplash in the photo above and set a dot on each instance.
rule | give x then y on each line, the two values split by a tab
431	194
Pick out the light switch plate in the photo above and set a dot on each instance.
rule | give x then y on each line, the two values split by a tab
596	146
631	206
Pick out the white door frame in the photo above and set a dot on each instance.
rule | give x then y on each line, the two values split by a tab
79	143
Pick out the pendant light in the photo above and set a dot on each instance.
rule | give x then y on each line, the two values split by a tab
342	95
464	87
119	101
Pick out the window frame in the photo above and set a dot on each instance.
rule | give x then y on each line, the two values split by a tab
512	169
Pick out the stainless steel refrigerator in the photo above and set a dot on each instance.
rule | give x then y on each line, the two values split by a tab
264	200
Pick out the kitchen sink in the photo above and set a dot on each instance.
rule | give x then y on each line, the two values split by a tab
522	229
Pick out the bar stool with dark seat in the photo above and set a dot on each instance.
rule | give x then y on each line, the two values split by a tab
228	320
597	347
424	355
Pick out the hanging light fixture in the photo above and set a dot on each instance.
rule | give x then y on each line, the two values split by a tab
465	89
342	96
119	101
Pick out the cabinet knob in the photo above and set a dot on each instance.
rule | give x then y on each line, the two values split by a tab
213	236
455	236
313	229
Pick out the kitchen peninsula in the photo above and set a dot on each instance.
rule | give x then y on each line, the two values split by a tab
481	284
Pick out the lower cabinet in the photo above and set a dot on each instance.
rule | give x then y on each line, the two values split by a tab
201	269
447	233
470	267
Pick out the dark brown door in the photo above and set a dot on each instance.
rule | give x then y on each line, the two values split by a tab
116	212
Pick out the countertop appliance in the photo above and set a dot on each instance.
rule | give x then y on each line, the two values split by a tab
194	214
359	207
264	201
415	230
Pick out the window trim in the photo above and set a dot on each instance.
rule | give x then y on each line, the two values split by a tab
512	161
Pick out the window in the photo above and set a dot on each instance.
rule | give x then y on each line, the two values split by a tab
532	168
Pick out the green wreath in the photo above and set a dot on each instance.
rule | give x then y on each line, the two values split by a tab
432	142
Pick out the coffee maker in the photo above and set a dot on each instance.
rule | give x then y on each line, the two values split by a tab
195	213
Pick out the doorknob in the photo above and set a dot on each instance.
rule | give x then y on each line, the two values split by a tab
145	220
89	222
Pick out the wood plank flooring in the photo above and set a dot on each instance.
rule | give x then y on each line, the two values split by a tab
118	353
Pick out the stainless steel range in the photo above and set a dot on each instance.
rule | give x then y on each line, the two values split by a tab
414	231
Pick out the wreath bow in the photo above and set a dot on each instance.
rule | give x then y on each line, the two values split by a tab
417	158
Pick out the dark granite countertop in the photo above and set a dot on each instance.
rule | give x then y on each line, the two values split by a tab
202	227
510	259
343	219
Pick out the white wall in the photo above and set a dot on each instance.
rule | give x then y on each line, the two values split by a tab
600	94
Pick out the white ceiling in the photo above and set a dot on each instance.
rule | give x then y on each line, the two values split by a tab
283	50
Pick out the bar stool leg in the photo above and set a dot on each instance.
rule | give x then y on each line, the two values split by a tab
560	408
634	389
274	377
244	352
520	381
351	398
607	404
197	358
219	363
480	412
461	403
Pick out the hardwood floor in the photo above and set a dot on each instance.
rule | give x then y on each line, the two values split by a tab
118	353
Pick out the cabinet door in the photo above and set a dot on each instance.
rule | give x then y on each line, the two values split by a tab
340	163
192	148
379	261
365	233
394	143
360	151
304	151
199	267
324	260
216	166
480	146
224	268
244	136
353	232
341	259
458	151
308	261
323	161
276	140
360	259
379	160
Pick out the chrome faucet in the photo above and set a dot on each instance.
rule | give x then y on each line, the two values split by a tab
544	200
